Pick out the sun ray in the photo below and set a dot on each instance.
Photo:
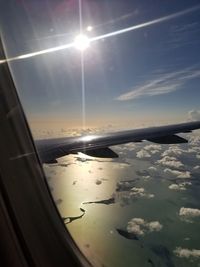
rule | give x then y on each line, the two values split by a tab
82	44
146	24
107	35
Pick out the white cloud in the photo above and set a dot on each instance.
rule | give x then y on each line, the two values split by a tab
176	187
189	212
153	149
124	185
170	162
140	192
134	226
137	190
120	165
152	170
177	174
146	177
154	226
173	151
194	115
161	84
196	167
187	253
143	154
195	149
184	175
127	195
130	146
139	226
125	147
152	146
179	187
186	183
195	141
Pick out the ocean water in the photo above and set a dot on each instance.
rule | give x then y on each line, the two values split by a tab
123	212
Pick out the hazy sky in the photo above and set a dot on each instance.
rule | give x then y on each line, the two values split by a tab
147	75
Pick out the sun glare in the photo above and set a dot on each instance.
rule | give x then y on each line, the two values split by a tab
81	42
89	28
88	138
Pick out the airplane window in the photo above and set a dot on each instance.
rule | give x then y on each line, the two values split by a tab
111	93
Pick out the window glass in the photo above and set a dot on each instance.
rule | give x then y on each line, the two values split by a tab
92	67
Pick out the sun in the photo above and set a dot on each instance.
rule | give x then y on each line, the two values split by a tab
81	42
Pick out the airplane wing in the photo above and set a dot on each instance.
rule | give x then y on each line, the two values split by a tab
98	145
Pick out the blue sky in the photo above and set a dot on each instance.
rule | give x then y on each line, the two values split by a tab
150	74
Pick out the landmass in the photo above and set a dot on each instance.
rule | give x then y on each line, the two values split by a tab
104	201
71	219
